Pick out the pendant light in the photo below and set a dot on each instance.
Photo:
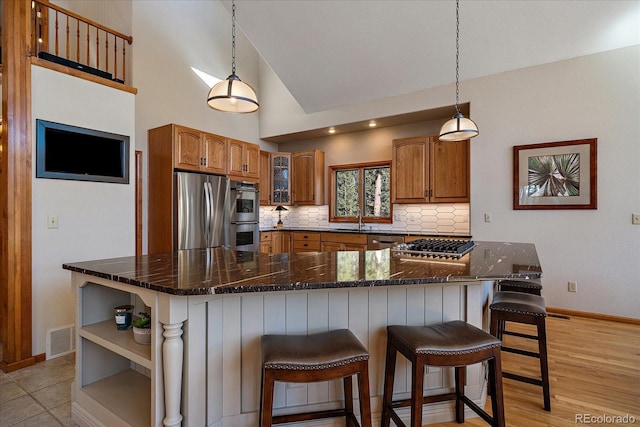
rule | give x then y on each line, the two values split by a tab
459	127
233	95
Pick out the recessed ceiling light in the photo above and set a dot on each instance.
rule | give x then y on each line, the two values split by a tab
372	123
332	130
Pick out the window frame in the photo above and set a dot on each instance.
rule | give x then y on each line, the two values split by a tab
360	167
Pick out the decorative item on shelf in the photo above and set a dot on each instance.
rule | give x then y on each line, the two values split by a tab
123	316
459	127
280	209
142	328
233	95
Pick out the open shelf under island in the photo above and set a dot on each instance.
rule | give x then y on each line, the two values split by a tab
209	308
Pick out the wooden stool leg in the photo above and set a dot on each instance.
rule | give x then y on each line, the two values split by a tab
347	385
460	375
389	374
495	385
365	398
417	381
544	362
266	404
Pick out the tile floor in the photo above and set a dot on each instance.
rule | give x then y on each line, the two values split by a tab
39	395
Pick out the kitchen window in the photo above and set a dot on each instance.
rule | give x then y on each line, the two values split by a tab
360	192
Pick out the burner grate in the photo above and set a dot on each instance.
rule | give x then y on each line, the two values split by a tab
437	248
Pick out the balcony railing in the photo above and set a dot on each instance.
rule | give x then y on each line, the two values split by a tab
67	38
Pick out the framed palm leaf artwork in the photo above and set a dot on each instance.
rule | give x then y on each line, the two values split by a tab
555	175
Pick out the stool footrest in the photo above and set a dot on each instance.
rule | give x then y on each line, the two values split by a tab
279	419
517	377
521	352
427	399
518	334
478	410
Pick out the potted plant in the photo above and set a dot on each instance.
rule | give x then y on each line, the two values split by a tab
142	328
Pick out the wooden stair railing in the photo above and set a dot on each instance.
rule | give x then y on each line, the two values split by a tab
67	38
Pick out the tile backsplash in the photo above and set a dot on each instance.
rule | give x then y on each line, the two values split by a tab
441	218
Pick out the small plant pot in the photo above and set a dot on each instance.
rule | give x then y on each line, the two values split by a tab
142	335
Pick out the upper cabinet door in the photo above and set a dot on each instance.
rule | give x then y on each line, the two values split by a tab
243	160
235	162
187	148
280	178
449	173
252	160
265	178
410	170
214	153
307	178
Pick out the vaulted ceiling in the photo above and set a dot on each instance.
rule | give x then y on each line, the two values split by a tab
331	53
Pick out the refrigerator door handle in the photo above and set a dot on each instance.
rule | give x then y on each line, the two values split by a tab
207	213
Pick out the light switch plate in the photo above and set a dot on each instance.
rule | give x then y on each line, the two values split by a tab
635	219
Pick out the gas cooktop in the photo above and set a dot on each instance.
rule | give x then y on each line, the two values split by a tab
435	248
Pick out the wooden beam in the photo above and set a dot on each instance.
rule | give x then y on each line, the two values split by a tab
15	189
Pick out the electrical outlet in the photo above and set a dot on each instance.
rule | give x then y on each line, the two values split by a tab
573	286
396	217
635	219
52	221
487	217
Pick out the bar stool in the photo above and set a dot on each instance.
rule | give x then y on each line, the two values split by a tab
529	309
528	287
455	344
312	358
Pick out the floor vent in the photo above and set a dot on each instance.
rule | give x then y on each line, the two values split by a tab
60	341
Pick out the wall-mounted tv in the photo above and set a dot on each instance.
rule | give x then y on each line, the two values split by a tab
75	153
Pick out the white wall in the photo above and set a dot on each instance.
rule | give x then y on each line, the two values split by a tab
595	96
96	220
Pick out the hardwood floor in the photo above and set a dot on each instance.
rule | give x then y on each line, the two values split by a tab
594	368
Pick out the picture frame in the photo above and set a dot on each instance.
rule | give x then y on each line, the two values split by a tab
555	175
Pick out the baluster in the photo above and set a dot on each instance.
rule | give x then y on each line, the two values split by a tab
106	51
56	33
88	43
97	48
115	59
67	39
124	53
77	40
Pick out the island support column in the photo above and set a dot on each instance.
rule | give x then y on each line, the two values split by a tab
173	312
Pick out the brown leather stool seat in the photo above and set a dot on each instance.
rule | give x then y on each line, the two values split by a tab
325	356
457	344
529	309
529	286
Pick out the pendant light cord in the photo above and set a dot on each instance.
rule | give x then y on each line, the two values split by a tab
457	55
233	37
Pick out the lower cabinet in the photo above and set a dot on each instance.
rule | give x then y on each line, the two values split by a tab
332	242
266	242
306	241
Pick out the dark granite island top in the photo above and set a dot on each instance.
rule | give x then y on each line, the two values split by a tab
221	271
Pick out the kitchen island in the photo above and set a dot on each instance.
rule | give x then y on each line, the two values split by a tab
209	308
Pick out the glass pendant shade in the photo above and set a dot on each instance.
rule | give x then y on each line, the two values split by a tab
458	128
233	95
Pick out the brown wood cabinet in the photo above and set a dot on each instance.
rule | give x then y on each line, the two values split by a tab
265	242
331	242
193	150
306	241
428	170
280	169
307	178
280	242
243	160
265	178
173	147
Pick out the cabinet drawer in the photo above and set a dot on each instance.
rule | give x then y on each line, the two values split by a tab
265	236
360	239
299	235
302	245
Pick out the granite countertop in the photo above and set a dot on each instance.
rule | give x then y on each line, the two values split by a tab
366	231
221	271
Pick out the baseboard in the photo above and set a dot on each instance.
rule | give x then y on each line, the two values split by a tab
590	315
29	361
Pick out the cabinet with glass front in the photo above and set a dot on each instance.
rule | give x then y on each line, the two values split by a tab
280	178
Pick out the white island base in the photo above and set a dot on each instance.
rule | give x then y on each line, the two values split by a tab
203	366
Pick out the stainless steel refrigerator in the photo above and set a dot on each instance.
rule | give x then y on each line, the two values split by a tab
202	206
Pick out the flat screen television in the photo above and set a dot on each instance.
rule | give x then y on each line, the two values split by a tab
75	153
